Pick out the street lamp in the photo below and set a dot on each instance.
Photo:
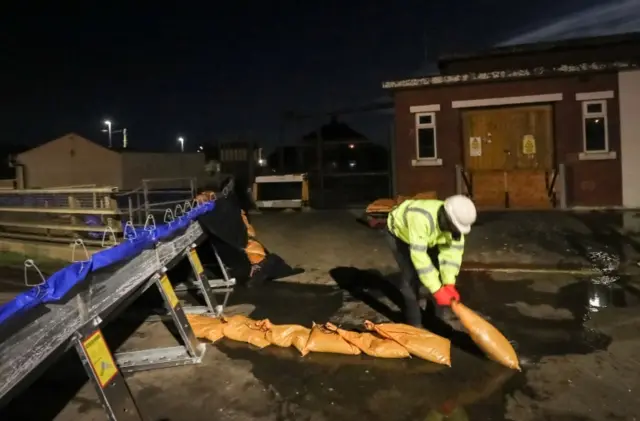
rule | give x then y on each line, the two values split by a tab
108	123
181	141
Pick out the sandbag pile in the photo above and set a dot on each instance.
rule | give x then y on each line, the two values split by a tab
384	340
387	340
385	205
254	250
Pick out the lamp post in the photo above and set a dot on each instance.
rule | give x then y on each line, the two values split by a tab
108	124
181	141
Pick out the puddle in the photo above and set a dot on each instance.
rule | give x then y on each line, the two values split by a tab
348	387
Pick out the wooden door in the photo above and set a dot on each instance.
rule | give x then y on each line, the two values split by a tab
510	138
507	152
484	140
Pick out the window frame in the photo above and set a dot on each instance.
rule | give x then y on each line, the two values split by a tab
603	115
433	125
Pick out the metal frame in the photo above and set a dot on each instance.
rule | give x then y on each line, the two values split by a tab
191	352
207	287
76	323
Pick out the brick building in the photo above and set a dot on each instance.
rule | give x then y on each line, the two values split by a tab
529	126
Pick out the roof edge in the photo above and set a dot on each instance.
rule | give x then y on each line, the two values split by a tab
505	75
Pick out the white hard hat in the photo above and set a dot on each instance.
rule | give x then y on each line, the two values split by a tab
461	211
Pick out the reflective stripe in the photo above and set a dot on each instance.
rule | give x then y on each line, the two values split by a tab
424	212
392	221
425	271
457	247
417	247
450	263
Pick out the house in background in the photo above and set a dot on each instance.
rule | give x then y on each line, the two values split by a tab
525	126
73	160
335	147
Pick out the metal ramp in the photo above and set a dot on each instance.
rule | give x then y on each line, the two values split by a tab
77	324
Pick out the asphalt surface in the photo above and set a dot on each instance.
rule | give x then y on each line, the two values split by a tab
577	337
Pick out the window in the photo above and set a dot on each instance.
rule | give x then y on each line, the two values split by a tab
426	136
594	127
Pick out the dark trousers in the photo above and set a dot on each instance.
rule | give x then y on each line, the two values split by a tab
408	283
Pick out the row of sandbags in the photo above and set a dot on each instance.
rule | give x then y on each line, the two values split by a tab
385	340
385	205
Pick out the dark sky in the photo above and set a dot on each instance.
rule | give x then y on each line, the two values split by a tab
231	68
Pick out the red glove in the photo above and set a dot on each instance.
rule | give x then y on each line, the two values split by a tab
443	296
453	291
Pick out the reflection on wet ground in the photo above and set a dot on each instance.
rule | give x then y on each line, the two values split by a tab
542	318
540	323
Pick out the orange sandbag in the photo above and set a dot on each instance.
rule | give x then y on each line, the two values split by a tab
243	329
322	339
286	335
418	342
250	230
205	196
380	205
255	252
400	199
372	344
425	195
205	327
487	337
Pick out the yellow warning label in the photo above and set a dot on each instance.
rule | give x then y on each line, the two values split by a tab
475	146
165	284
529	145
100	358
196	262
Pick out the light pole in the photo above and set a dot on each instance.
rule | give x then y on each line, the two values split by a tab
108	123
181	141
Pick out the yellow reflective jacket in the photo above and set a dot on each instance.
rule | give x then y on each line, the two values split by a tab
416	223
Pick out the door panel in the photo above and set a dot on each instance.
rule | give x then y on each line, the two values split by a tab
502	132
516	153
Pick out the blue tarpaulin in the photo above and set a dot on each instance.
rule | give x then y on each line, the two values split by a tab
136	240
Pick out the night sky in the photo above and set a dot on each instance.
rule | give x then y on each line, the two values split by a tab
230	69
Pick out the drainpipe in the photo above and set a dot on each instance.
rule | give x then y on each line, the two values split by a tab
20	180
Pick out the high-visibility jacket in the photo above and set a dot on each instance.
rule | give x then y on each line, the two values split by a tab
416	223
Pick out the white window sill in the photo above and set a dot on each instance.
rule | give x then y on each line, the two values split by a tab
431	162
597	156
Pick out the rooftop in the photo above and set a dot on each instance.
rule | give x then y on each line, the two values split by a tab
335	131
505	75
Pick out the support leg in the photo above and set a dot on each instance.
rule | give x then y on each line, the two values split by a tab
191	352
107	380
208	287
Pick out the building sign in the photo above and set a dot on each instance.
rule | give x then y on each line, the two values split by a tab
529	145
475	146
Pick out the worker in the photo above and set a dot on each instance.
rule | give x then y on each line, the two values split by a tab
427	240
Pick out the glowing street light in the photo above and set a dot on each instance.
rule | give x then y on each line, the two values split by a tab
108	124
181	141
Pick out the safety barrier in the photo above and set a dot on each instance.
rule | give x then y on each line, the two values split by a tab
98	284
270	191
58	214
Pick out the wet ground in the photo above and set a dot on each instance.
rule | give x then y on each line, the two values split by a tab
577	339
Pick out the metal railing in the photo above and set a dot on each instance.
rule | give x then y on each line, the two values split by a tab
58	214
88	212
155	196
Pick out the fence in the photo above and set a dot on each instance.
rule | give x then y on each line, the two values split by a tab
343	190
155	196
59	214
93	214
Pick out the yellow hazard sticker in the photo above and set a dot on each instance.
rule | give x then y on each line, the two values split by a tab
165	284
195	259
100	358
